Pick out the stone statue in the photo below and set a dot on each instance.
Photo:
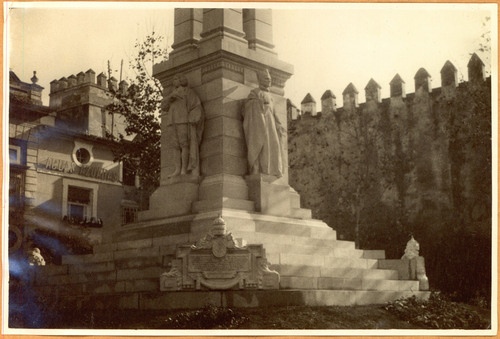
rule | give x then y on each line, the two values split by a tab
412	249
263	130
184	126
35	257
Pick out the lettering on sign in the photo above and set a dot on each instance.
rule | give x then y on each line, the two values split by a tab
71	167
209	263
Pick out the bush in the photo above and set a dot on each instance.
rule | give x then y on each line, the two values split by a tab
209	317
437	313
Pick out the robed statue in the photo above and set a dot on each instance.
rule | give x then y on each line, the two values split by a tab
184	116
264	134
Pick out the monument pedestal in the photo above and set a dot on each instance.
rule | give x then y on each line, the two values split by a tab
273	197
174	197
314	267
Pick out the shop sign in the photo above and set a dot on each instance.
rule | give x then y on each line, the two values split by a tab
71	167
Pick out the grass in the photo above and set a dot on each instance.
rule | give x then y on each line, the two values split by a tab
437	313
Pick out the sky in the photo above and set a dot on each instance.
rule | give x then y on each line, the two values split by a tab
329	45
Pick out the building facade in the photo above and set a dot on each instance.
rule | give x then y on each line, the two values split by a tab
66	192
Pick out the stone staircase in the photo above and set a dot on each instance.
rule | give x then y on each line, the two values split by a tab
315	268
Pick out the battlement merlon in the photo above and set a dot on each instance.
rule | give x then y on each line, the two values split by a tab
81	79
449	83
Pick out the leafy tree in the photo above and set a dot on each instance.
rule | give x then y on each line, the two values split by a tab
139	105
360	190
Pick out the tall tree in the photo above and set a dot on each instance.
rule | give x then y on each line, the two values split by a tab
140	106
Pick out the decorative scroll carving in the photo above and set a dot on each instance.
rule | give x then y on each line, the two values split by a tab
217	262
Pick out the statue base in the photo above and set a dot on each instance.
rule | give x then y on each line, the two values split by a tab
272	197
173	198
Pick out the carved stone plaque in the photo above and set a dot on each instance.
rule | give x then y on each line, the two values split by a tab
210	263
216	262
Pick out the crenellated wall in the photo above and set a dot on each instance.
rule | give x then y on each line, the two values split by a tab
411	152
80	103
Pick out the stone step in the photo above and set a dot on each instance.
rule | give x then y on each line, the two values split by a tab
123	245
374	254
104	252
301	213
348	272
115	275
294	198
210	205
116	286
254	222
272	248
285	239
329	283
112	255
236	298
320	260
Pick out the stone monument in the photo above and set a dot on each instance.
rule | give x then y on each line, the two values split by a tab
227	57
224	93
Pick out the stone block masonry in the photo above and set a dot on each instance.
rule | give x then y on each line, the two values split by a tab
227	58
411	145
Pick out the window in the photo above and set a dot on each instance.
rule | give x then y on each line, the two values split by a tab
129	215
79	199
128	174
129	211
82	153
15	154
79	203
83	156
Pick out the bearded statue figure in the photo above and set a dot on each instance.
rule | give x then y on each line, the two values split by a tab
264	133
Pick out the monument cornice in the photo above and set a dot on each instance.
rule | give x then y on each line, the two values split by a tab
180	63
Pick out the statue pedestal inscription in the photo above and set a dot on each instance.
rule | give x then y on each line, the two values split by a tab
217	262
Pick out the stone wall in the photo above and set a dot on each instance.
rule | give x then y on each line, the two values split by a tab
385	168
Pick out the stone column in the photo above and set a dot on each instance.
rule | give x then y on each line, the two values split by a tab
222	24
258	27
223	71
188	24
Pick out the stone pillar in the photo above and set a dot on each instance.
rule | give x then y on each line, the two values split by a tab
63	83
423	79
222	23
101	80
72	80
80	78
328	102
449	80
475	69
372	91
188	24
258	28
350	97
308	105
90	76
397	87
54	86
397	107
222	71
